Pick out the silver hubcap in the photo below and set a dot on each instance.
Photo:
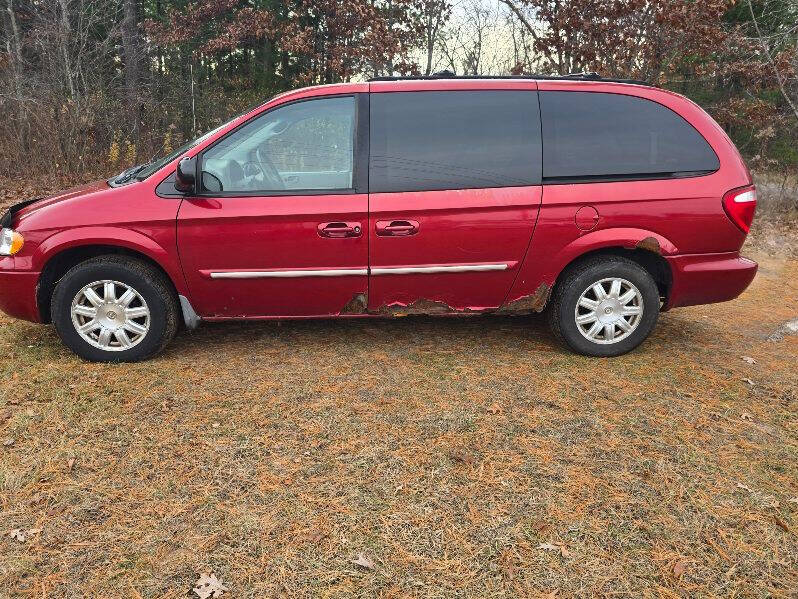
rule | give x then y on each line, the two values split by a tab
609	311
110	315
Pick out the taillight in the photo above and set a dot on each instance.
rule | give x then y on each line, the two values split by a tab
740	205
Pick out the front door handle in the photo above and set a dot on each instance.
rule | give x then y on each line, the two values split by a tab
339	230
396	228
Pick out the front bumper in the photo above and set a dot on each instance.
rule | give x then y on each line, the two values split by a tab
18	291
709	278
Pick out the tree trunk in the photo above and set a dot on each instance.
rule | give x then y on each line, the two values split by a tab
14	49
132	58
66	35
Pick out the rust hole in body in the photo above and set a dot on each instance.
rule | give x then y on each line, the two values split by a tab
535	302
425	306
649	244
420	306
357	305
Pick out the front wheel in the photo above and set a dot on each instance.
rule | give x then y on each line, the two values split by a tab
114	309
606	306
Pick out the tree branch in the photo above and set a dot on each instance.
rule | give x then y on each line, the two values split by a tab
772	63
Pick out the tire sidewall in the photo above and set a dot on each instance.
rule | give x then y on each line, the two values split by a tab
87	273
602	270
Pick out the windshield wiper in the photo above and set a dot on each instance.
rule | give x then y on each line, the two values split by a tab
126	175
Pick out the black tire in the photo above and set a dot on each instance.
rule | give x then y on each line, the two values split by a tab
150	284
562	307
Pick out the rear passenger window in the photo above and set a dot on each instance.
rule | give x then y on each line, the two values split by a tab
454	140
611	136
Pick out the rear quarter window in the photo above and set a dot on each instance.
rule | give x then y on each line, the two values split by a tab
440	140
589	135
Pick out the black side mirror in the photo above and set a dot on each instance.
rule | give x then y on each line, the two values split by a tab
186	175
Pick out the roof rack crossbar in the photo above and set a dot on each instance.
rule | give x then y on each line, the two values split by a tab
569	77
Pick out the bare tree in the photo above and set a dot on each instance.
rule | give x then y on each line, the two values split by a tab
473	43
131	53
64	37
780	48
434	15
14	51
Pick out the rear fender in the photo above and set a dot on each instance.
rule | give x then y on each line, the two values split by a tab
544	262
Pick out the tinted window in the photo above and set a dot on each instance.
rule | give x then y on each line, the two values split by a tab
589	134
454	140
306	145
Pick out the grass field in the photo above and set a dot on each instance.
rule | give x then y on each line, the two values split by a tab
461	457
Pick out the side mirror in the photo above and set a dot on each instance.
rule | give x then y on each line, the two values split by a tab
186	175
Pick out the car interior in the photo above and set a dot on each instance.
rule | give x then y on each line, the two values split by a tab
306	145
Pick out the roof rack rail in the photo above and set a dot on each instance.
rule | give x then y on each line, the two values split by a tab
570	77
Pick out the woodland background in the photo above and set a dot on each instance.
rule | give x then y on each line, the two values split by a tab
90	86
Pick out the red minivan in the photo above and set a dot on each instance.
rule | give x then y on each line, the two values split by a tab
602	202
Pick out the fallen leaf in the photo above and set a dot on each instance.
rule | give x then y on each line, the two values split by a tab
208	587
746	416
564	552
316	537
749	381
18	535
548	547
782	524
744	487
495	408
749	360
539	526
363	562
793	500
70	464
9	442
679	568
462	457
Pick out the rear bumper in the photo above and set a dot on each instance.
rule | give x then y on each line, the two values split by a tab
18	292
709	278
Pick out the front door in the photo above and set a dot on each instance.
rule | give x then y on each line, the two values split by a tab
455	190
279	225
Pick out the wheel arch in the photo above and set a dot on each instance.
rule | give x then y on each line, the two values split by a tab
653	262
59	262
542	270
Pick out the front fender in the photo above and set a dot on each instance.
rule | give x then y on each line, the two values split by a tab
162	250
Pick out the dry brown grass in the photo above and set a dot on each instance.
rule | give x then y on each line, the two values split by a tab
446	450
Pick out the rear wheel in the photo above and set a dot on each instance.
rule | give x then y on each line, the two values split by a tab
114	309
606	306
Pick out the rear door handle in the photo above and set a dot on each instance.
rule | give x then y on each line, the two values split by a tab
339	230
396	228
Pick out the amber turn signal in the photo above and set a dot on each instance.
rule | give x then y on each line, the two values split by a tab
10	242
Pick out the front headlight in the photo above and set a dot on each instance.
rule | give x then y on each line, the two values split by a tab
10	242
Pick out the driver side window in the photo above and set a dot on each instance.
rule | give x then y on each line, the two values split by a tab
308	145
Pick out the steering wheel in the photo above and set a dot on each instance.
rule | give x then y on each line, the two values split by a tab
270	172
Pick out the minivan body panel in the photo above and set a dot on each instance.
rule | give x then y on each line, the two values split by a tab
466	250
466	245
252	262
670	217
489	249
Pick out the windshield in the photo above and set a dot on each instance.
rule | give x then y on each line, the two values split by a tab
159	163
